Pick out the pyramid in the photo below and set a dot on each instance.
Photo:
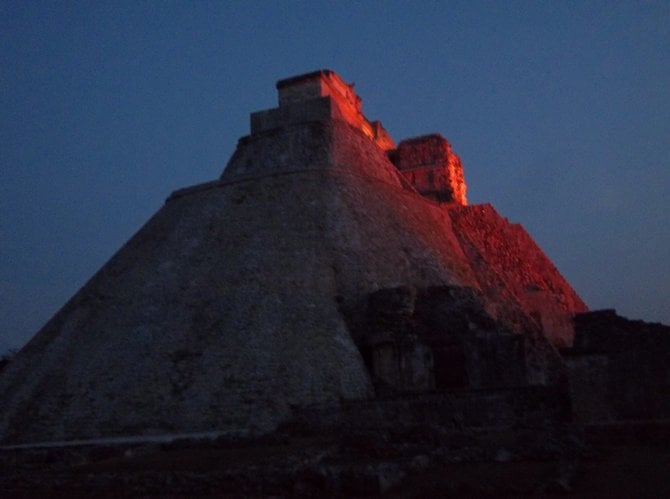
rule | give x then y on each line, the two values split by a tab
247	297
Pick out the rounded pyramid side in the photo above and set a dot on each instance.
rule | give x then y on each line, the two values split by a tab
224	310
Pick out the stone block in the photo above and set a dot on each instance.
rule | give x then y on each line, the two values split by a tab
433	169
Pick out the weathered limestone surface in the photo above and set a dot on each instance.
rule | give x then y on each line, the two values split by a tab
223	311
431	166
345	104
327	144
523	288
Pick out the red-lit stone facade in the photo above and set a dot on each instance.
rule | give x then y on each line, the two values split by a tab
427	163
346	104
432	168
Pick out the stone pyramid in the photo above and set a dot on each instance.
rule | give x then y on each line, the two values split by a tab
244	298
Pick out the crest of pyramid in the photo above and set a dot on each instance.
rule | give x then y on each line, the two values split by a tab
326	263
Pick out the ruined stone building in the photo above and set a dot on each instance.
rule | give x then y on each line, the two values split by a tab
326	264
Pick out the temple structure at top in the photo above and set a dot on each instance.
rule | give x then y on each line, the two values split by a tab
427	163
338	99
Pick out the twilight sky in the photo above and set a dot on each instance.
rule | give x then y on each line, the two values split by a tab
560	112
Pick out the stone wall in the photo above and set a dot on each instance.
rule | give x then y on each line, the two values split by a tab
431	166
317	84
311	145
344	103
619	368
515	275
441	338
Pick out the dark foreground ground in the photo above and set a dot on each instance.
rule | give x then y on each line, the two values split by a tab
620	460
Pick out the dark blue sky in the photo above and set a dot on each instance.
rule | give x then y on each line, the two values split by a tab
560	112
